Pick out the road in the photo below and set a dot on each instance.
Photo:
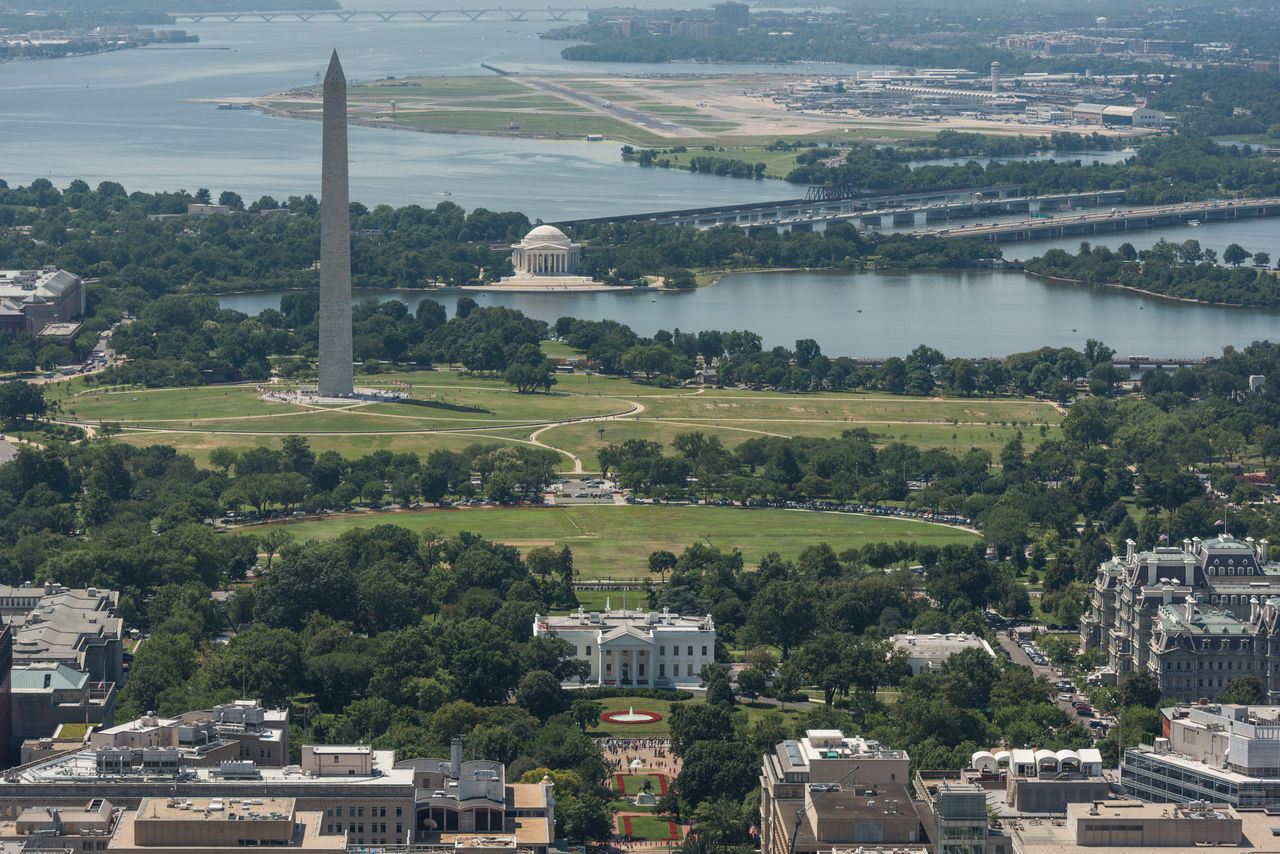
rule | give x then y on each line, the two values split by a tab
1019	656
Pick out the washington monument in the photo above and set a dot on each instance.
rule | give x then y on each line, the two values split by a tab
336	376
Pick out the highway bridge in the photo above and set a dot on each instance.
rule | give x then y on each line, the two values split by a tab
496	14
903	209
1111	222
765	213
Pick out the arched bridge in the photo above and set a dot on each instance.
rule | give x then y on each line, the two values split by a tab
496	14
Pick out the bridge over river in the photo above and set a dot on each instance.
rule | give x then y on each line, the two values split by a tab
1111	222
496	14
902	208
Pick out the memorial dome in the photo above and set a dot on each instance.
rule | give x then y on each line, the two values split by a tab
546	234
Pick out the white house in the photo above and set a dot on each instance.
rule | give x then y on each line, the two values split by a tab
636	648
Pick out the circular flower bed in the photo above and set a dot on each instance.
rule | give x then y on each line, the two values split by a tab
631	716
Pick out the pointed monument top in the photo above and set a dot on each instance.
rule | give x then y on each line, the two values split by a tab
334	74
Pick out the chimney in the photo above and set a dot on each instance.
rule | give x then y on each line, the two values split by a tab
1186	546
1128	550
455	757
1253	608
1167	593
1262	551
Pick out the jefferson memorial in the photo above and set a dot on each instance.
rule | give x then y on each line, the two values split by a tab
546	260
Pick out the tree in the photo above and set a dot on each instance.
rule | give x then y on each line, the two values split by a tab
1140	688
20	401
692	724
585	713
1235	254
584	819
662	562
1245	690
540	694
752	683
719	692
273	540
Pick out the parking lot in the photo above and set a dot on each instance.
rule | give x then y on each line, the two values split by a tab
585	490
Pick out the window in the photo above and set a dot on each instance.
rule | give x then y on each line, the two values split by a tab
360	812
360	827
335	759
328	828
399	810
339	826
399	828
662	650
382	812
689	669
691	650
662	668
704	650
382	827
351	812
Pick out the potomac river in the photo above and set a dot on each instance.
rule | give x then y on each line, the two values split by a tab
126	116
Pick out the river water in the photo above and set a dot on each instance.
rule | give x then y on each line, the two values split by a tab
126	117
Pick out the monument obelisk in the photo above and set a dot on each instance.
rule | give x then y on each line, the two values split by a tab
336	375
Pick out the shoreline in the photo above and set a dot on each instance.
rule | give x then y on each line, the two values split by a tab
1154	294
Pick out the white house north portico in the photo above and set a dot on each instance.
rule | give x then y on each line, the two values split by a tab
635	648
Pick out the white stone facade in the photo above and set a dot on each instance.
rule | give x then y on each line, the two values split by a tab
636	648
545	251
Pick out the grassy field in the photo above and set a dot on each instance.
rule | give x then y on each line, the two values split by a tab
484	409
611	541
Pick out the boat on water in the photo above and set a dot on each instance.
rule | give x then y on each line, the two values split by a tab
1194	223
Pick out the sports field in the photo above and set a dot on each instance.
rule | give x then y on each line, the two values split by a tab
614	541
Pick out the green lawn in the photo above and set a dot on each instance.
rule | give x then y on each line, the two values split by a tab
647	827
633	784
611	541
557	348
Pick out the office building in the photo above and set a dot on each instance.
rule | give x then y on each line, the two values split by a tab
360	793
47	694
171	825
827	791
241	731
1217	753
1195	617
1176	828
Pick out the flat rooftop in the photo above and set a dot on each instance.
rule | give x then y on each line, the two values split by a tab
81	767
1046	837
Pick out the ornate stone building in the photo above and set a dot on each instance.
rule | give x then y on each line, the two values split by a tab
545	251
1196	617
